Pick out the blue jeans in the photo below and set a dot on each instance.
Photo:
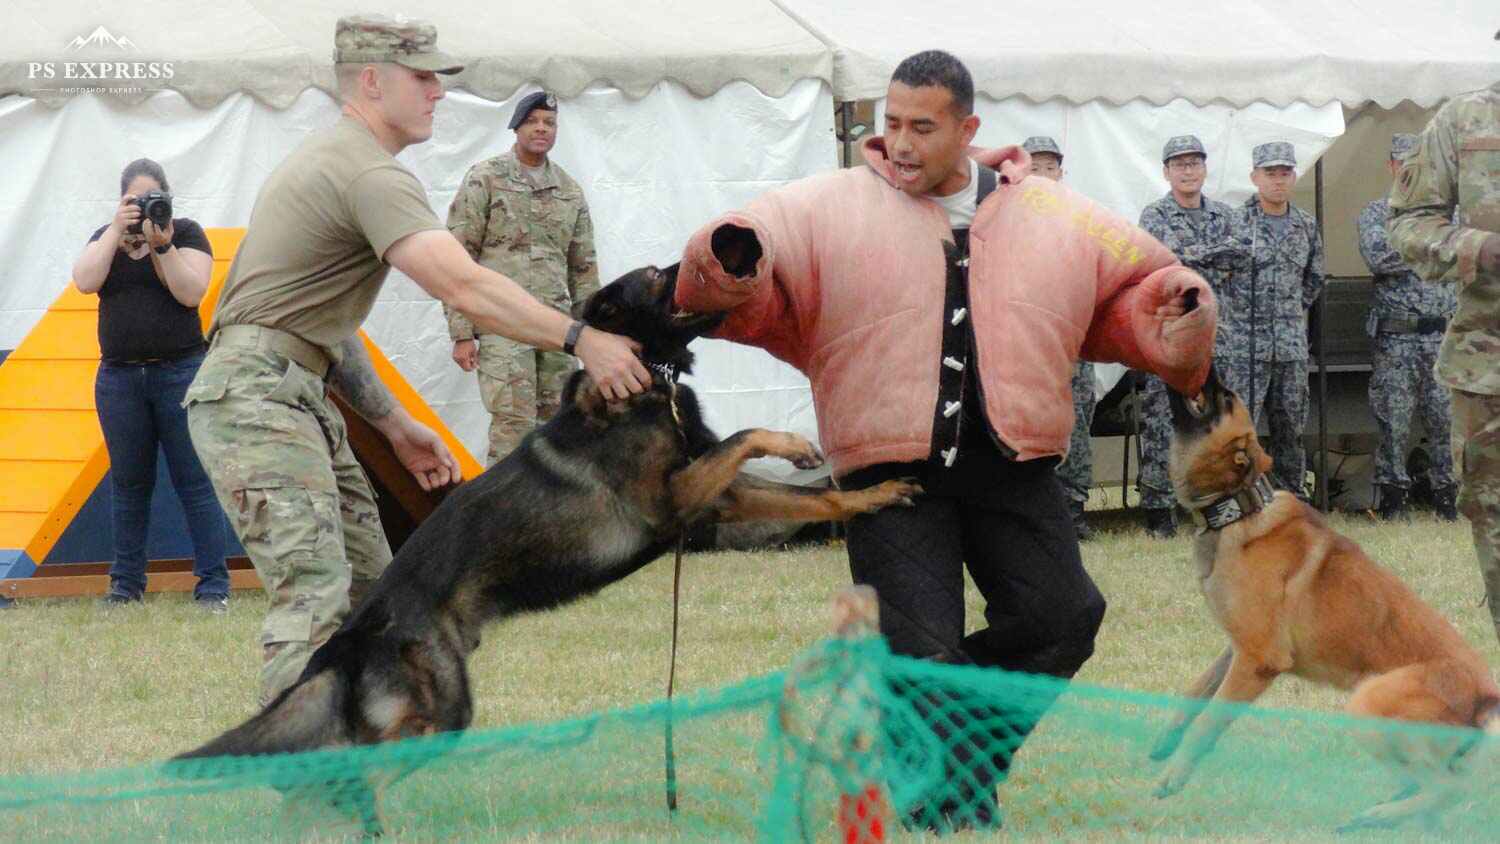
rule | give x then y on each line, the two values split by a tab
140	408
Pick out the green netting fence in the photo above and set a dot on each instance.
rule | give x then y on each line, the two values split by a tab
848	744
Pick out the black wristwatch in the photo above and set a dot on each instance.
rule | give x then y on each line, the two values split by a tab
572	339
162	250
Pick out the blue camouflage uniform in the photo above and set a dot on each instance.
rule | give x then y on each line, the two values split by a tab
1407	320
1203	240
1262	339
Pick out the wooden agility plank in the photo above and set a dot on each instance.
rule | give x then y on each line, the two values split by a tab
52	454
76	586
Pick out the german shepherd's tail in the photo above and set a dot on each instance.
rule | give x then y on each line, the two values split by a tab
306	716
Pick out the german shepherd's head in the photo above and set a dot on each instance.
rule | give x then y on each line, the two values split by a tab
1214	448
639	305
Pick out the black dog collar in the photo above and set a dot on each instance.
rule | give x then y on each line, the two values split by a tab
1225	511
666	370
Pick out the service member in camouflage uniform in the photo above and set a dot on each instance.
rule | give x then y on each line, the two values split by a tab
1199	232
521	215
1407	320
328	224
1262	341
1077	470
1457	165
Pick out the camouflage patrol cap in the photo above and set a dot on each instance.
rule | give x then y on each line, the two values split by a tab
359	39
528	104
1042	143
1182	145
1274	154
1402	145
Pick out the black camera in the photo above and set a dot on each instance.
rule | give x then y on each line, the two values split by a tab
156	207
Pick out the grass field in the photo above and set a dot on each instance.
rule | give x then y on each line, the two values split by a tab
83	687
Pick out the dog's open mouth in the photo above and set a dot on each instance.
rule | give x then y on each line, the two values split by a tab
690	320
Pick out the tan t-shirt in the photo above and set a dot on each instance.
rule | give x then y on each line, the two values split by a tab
310	263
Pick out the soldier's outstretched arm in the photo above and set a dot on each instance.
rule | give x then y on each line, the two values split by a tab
495	304
1422	202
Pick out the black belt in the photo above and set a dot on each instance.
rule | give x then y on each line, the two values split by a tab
166	358
1412	325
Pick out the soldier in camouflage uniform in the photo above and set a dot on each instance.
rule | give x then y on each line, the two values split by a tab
1077	470
1457	166
1198	230
1407	320
521	215
1262	340
329	223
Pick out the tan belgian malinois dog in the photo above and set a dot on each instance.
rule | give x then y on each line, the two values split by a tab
1297	598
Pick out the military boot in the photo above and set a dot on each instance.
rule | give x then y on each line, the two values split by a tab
1080	524
1445	502
1392	502
1161	522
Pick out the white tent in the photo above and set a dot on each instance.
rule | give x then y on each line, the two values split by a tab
671	112
1269	51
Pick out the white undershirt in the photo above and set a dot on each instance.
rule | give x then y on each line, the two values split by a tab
962	205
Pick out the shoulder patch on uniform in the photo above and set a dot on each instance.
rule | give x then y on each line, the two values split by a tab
1407	178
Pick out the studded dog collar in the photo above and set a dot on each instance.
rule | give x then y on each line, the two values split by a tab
1243	503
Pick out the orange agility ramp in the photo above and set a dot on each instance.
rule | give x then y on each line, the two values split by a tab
52	455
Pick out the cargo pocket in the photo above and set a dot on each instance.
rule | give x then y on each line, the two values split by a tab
497	374
209	386
289	390
292	536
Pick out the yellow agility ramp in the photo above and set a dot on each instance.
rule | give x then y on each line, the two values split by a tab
52	454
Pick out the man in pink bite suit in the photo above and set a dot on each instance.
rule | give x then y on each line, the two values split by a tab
938	307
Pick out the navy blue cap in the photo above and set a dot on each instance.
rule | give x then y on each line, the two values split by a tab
530	103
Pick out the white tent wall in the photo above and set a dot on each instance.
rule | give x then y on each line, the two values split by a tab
1273	51
653	169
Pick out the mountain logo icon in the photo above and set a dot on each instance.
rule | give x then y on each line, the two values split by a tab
101	37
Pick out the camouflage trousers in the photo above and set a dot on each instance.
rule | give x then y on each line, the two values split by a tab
1476	452
1276	391
1077	471
278	453
1402	384
520	387
1154	481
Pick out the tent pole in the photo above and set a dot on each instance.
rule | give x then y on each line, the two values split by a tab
1322	491
846	142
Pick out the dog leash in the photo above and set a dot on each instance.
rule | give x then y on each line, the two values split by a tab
671	677
669	373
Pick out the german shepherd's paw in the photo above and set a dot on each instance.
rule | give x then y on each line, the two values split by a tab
897	493
791	447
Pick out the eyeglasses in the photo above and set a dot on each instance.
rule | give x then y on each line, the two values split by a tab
1185	166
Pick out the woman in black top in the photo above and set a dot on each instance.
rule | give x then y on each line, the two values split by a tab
150	281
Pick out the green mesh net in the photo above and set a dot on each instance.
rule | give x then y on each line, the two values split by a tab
848	744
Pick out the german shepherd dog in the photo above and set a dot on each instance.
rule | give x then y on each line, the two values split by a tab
1297	598
596	493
